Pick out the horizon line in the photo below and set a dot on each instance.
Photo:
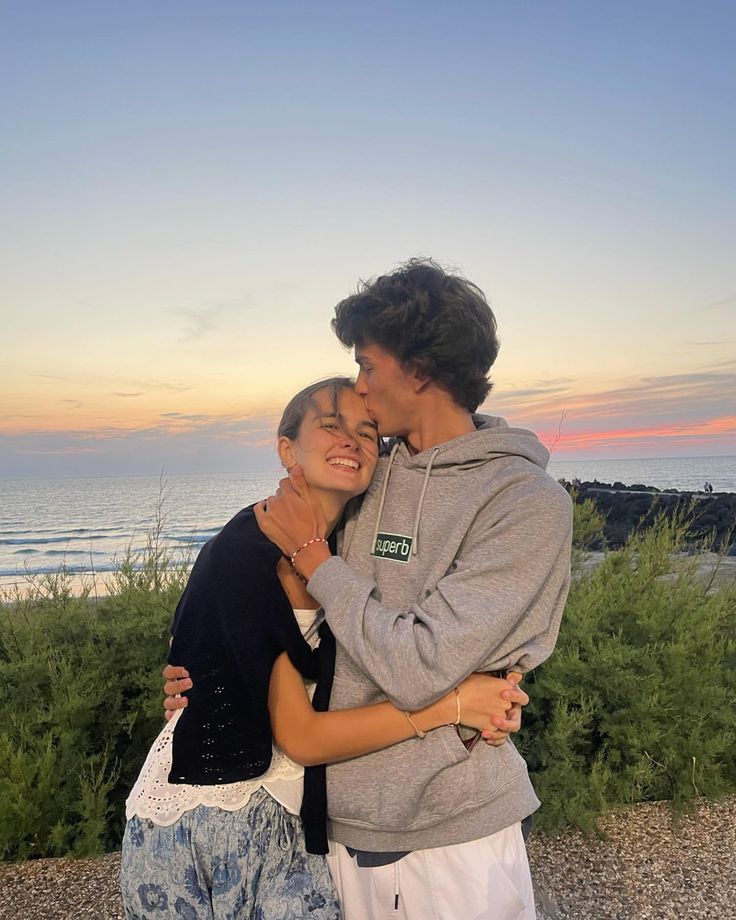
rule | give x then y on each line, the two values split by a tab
235	472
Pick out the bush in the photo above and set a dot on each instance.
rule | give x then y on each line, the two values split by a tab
81	703
637	702
588	524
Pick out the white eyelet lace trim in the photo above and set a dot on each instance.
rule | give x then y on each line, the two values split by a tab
153	798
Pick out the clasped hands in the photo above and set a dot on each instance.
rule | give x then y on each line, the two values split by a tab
490	704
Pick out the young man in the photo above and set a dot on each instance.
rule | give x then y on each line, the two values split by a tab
457	561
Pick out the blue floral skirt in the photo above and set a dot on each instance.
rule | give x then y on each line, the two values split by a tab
212	864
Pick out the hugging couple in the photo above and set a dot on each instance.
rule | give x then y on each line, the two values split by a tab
373	615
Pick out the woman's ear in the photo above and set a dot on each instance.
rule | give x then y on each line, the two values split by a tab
286	452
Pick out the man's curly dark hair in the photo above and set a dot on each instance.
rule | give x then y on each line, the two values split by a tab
435	323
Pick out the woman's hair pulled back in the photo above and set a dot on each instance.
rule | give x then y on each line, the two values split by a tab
301	402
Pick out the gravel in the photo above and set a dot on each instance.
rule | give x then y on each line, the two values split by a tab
47	889
646	866
643	867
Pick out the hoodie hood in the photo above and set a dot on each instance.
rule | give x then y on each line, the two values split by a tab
492	439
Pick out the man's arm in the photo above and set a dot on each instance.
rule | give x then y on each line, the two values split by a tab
498	607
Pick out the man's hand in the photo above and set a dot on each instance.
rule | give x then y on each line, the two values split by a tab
498	735
291	518
177	680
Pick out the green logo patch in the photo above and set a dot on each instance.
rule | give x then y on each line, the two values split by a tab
393	546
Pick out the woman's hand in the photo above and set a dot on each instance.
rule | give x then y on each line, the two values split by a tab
492	705
177	680
291	518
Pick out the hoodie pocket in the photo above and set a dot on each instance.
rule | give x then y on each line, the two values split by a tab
410	786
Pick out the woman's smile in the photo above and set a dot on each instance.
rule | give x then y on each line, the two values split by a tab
346	463
338	434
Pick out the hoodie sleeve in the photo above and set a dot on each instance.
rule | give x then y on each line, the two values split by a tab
499	605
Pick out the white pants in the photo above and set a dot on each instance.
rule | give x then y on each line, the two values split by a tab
486	879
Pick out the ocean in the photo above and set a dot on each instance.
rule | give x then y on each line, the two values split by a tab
85	525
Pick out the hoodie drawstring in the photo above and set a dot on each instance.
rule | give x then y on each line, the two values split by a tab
396	884
384	489
417	519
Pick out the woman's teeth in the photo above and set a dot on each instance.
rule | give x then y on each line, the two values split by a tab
343	461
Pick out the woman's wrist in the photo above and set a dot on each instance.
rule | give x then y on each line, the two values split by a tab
311	557
437	714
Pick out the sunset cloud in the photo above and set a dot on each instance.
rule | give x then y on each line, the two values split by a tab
666	400
667	414
720	304
175	443
627	441
203	320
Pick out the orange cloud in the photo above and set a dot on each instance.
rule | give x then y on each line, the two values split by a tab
655	414
682	434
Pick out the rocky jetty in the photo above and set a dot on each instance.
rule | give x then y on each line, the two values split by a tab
627	508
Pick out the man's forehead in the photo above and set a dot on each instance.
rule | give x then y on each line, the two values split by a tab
369	351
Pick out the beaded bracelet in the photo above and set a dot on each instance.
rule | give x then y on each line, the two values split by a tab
304	546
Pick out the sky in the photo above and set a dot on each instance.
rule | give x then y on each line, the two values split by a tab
188	190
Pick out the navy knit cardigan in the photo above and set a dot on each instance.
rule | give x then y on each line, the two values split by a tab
232	622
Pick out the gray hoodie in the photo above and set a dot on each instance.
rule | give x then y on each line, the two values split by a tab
457	561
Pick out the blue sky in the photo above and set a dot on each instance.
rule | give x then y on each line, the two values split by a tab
190	188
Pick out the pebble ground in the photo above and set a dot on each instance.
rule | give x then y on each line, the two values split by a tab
643	867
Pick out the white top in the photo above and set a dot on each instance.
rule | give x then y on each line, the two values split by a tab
155	798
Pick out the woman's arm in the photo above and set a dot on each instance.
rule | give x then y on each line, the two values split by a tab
177	682
310	737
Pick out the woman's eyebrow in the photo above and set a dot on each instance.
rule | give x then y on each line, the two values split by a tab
368	423
364	423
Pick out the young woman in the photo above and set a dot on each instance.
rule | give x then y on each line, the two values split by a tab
212	825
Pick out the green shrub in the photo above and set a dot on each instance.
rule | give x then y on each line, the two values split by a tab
637	702
81	703
587	523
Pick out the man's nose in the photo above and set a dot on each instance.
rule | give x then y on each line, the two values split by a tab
360	388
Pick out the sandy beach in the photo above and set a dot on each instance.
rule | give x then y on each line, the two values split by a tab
710	566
